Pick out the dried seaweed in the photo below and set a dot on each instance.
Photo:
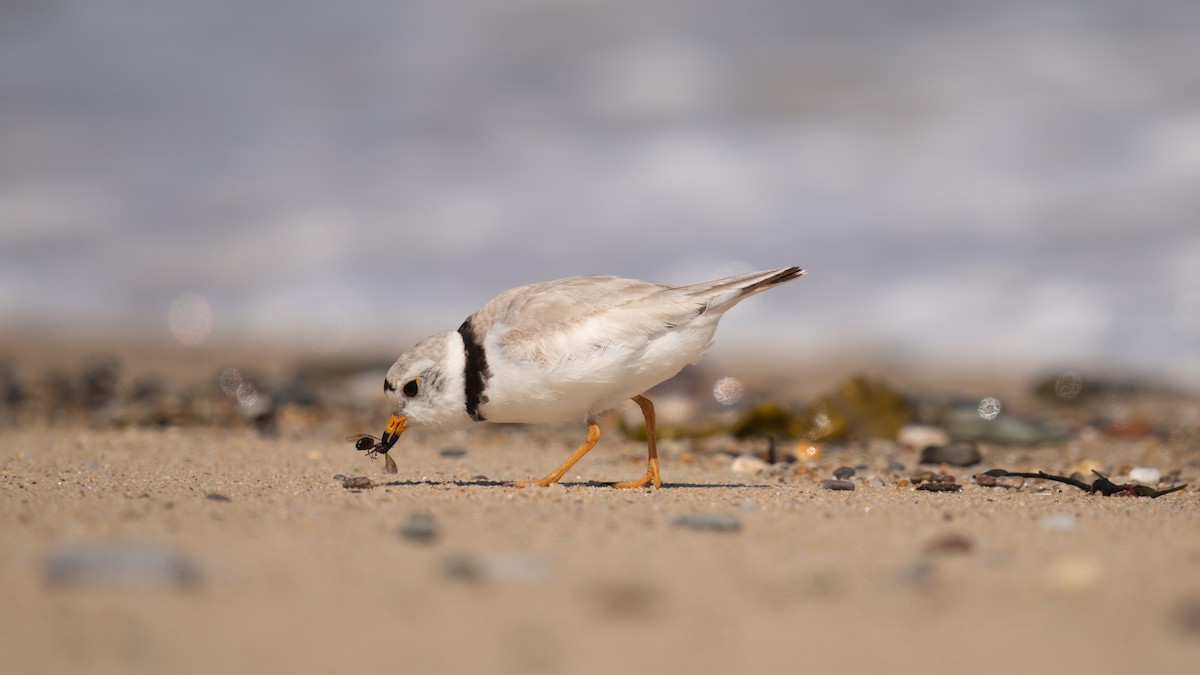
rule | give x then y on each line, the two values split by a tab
1102	485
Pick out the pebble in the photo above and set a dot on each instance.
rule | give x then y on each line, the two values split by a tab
357	483
836	485
921	435
1061	522
120	567
1145	475
965	423
1008	482
1085	467
924	477
950	544
420	528
496	567
453	452
462	567
711	522
217	497
961	453
339	477
748	464
940	487
1074	575
843	472
1187	617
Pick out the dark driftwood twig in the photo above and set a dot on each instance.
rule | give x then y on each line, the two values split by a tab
1101	485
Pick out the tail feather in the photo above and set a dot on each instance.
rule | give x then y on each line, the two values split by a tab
725	293
779	277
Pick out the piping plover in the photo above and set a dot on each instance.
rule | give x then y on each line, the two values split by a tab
562	350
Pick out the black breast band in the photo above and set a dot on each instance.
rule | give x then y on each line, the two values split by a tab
475	371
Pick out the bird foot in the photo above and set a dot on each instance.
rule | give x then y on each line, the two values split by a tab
650	477
545	481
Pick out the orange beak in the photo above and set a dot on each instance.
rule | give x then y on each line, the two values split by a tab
391	433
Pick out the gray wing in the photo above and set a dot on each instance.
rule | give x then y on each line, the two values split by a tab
543	321
533	313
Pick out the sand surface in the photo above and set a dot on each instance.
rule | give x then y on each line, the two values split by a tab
220	550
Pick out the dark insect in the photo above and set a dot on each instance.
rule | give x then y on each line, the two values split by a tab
371	445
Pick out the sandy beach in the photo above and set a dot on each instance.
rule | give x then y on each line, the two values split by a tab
207	549
221	224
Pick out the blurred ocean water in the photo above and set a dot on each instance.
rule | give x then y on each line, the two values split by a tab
1016	182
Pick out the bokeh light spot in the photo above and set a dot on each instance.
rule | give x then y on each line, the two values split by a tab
230	380
822	424
247	395
1068	385
989	407
234	385
728	391
190	319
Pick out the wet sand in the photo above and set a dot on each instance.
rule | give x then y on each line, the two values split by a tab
228	551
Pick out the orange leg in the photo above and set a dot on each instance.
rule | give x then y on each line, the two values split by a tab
593	435
651	475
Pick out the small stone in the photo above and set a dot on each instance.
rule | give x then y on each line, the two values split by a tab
217	497
950	544
1145	475
339	477
420	528
924	477
843	472
921	436
1058	521
496	568
940	487
120	567
876	482
1074	575
1085	467
453	452
836	485
621	600
357	483
966	423
748	464
1187	617
711	522
1007	482
462	567
514	567
960	453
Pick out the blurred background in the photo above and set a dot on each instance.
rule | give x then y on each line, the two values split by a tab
1012	184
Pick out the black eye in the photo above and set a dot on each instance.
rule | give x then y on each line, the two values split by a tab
410	388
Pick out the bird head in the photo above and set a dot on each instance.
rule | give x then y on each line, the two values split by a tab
425	387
